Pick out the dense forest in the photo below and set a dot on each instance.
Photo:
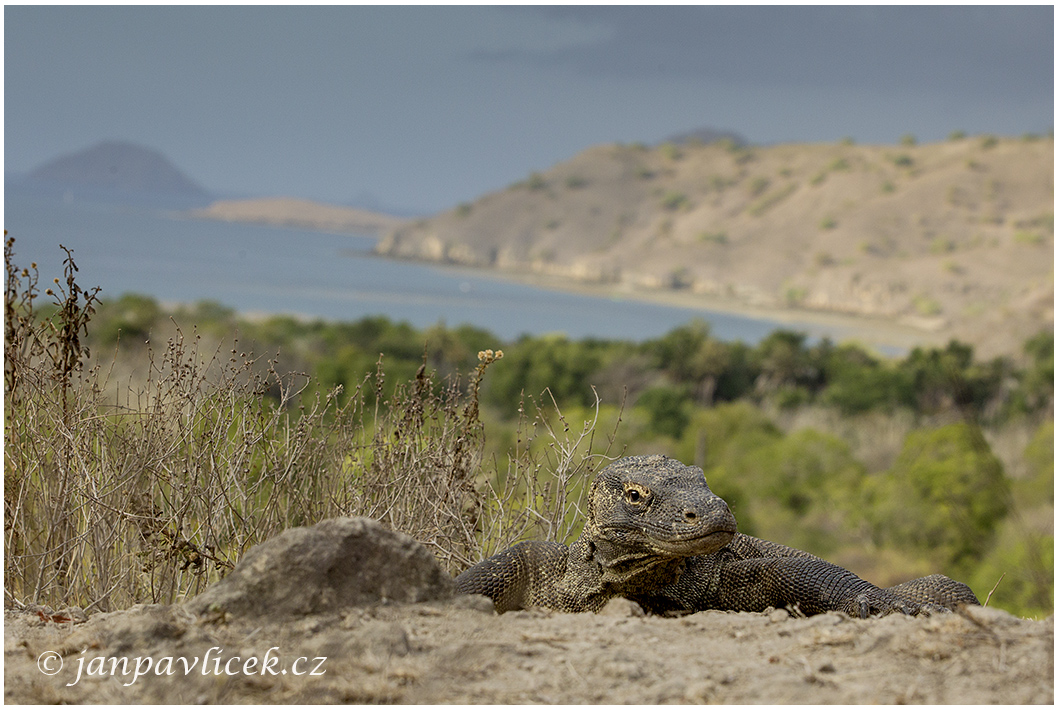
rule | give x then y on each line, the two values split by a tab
934	461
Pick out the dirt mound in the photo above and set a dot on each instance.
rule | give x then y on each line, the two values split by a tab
312	616
332	565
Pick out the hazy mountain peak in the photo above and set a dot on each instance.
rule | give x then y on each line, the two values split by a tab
707	136
119	165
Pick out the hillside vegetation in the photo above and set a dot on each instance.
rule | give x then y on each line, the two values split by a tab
146	450
955	238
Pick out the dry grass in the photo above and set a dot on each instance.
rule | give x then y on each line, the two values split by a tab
151	494
545	479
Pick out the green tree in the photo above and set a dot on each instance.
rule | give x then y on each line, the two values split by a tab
452	350
1038	487
128	319
858	382
719	440
667	409
783	360
280	331
208	317
737	380
802	489
1020	566
671	351
532	365
805	488
945	378
348	367
689	355
944	496
1022	559
1036	382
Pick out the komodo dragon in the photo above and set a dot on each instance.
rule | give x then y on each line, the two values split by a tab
658	535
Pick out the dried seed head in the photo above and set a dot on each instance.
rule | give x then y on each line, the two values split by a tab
489	356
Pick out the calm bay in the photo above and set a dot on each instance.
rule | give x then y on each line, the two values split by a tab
258	270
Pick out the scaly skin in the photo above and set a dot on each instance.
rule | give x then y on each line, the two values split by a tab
658	535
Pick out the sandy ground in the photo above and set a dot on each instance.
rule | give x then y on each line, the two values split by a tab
459	651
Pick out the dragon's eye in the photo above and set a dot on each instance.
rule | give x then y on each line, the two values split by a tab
635	495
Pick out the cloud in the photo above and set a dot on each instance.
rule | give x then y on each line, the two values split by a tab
1004	51
512	32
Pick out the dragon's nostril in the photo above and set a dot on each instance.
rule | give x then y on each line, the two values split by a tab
690	515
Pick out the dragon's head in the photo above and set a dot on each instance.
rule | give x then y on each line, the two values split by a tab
655	505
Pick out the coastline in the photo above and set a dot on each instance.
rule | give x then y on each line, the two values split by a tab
298	213
884	336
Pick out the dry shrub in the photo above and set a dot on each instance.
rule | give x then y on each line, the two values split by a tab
540	492
150	495
422	471
416	465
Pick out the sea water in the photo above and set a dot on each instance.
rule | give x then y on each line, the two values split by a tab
259	269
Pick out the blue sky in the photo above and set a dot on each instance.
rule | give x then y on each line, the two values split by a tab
420	108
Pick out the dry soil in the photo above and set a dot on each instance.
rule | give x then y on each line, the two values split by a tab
461	652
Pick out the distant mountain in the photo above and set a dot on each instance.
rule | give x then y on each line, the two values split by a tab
118	169
706	136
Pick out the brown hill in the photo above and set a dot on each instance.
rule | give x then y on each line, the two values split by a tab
955	238
293	212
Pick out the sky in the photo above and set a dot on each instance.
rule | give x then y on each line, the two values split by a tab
416	109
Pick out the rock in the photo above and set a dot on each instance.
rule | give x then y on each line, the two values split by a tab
777	616
333	565
619	606
474	602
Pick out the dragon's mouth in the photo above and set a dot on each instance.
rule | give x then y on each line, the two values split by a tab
686	544
703	544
